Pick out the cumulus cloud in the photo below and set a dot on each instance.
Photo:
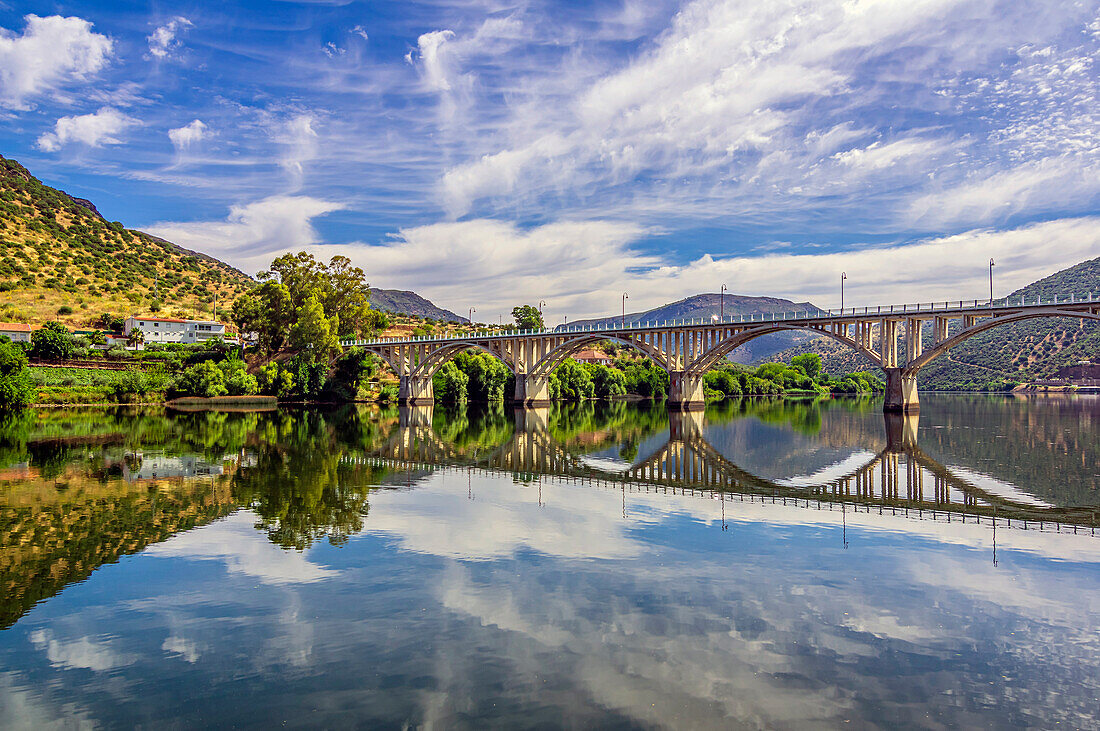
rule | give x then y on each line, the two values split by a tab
186	136
94	130
50	53
432	57
252	231
163	41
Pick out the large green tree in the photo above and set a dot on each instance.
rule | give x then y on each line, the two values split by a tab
527	317
340	287
16	391
52	341
313	333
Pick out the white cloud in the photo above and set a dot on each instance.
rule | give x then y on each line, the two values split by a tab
432	55
94	130
252	231
186	136
83	653
361	32
235	542
163	41
298	141
51	52
582	268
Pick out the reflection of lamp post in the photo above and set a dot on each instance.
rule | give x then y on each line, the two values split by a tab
722	304
990	281
625	298
843	276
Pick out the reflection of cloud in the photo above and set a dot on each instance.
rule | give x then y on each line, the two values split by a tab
181	647
85	652
22	707
997	487
846	466
236	542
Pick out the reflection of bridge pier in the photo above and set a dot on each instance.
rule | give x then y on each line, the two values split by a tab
900	478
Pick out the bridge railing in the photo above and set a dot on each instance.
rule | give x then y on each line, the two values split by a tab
962	306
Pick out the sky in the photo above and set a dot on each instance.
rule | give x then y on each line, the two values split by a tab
486	154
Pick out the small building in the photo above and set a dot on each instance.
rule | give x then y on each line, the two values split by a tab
593	356
17	332
170	330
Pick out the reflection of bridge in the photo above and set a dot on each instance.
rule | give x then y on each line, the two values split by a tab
901	477
688	349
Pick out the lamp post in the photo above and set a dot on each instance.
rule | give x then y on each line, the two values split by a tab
990	281
542	304
722	304
843	276
625	298
471	317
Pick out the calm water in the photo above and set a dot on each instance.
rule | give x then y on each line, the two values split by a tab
766	564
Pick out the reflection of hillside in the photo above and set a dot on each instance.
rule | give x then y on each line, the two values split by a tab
1049	444
58	531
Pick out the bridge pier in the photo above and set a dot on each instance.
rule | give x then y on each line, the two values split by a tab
532	389
415	391
901	391
685	391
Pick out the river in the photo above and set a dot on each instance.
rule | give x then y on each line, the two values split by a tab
767	563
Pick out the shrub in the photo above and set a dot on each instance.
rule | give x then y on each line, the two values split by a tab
51	342
64	310
203	379
16	391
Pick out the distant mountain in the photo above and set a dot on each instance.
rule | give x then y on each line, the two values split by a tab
60	259
1022	351
704	306
404	302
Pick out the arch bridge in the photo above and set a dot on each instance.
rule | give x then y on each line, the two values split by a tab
688	349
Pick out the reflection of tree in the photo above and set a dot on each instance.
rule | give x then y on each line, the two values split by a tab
588	426
474	428
299	481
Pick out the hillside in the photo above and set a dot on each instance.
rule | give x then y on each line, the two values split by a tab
706	305
1020	352
60	259
404	302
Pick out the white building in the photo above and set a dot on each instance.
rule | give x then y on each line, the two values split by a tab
17	332
168	330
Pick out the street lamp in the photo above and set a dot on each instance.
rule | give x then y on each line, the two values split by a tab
625	298
990	281
541	305
843	276
471	318
722	304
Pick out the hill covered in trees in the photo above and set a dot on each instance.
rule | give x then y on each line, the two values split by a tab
1019	352
60	259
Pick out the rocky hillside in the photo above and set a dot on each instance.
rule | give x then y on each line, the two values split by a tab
404	302
60	259
1020	352
706	305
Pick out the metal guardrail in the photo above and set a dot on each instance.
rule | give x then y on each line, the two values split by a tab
963	307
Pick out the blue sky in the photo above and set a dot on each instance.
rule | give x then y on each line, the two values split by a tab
486	153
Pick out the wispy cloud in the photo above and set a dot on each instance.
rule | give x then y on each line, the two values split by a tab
184	137
165	39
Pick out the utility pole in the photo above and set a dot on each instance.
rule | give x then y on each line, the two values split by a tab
843	276
722	304
625	298
990	281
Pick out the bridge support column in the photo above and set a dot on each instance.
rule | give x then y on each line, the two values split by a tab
901	391
685	391
532	389
415	390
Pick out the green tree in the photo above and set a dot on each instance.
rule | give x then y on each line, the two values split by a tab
527	317
203	379
16	391
238	381
340	287
265	315
52	342
313	333
574	381
135	337
451	384
607	382
808	362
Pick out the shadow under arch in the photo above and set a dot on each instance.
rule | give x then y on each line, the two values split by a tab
559	354
717	353
901	476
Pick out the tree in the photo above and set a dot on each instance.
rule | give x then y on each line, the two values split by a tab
52	342
16	391
808	362
340	287
575	384
136	337
313	333
527	317
265	315
203	379
450	384
607	382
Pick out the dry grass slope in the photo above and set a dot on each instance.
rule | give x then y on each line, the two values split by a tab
59	259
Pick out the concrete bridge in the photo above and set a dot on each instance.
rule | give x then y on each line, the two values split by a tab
688	349
900	477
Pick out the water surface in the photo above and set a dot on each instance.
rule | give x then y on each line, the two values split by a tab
767	563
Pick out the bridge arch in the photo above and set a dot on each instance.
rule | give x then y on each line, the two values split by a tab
984	325
438	357
558	355
713	356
